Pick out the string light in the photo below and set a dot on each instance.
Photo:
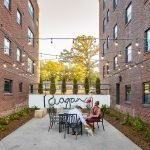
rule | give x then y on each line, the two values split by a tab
139	52
22	64
107	64
102	57
126	65
14	65
4	65
23	55
51	41
137	44
119	55
116	43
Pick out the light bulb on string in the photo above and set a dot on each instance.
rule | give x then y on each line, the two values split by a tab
119	55
135	66
116	43
17	68
22	64
107	64
142	66
102	57
126	65
130	68
34	64
4	65
51	41
29	42
23	55
14	65
137	44
139	52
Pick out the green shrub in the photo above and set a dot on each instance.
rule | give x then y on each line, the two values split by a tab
147	134
107	111
5	120
117	115
137	124
15	117
127	120
3	127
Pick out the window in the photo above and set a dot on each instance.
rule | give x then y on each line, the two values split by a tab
115	3
129	53
104	24
30	66
18	55
128	13
108	41
7	4
147	40
104	48
128	92
7	86
115	32
108	15
104	4
115	62
20	86
7	44
19	17
30	37
147	93
31	9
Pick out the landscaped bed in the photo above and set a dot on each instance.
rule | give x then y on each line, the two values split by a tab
10	123
133	128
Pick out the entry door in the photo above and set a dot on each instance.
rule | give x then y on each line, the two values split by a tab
118	93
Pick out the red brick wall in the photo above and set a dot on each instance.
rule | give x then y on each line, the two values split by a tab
11	102
136	76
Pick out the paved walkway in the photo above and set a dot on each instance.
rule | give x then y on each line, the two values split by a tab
34	135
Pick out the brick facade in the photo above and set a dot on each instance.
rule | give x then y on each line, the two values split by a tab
17	34
129	33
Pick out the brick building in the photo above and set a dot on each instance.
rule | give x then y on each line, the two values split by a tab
125	54
19	52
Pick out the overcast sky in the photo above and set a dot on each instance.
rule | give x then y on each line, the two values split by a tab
65	19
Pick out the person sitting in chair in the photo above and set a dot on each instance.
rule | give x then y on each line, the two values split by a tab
78	110
94	116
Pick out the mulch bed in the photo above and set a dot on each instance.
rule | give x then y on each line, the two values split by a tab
136	136
14	124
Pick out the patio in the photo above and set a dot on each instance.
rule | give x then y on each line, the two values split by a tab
34	135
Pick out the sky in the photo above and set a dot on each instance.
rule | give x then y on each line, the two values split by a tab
66	19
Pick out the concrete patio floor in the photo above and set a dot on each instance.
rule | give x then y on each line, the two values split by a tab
34	135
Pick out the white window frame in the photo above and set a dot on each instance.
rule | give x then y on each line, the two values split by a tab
30	65
129	13
18	54
7	4
30	37
31	9
129	53
147	47
116	32
19	17
7	45
115	3
115	62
